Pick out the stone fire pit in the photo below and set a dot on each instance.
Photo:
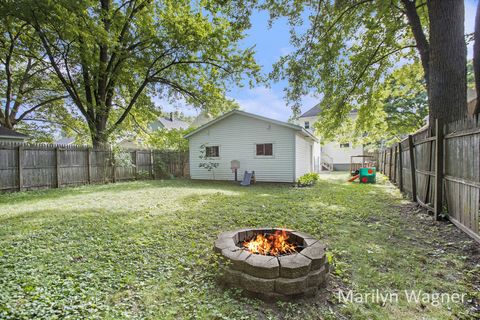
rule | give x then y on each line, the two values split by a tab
268	277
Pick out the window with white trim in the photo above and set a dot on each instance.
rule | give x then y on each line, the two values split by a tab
212	151
264	149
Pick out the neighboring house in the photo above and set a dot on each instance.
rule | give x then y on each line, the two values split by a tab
130	143
65	141
201	119
331	155
162	123
168	123
277	151
8	135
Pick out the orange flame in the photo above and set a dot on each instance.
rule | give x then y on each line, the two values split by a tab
272	245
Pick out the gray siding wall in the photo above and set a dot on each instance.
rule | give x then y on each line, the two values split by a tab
303	156
236	137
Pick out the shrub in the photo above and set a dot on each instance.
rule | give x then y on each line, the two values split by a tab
307	179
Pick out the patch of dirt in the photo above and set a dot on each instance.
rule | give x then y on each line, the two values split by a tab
446	238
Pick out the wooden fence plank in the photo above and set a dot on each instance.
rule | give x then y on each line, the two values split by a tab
25	167
439	169
57	167
20	167
400	172
412	167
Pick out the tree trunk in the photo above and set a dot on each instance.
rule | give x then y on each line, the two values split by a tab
6	124
99	140
420	38
447	94
99	135
476	58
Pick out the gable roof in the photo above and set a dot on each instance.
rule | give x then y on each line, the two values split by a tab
174	123
312	112
254	116
315	111
8	133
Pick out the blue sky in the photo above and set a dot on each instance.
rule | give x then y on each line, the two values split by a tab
271	44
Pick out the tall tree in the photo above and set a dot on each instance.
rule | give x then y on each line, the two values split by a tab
348	47
27	84
447	85
403	97
112	57
476	56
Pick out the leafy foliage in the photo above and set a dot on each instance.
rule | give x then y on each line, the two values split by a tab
405	101
341	54
29	92
400	106
308	179
169	139
112	57
144	250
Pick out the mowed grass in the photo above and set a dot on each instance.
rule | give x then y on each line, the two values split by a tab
144	250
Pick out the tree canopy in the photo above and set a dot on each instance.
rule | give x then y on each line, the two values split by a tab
27	85
112	57
345	49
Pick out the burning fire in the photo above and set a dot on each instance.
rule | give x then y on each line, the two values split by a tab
270	244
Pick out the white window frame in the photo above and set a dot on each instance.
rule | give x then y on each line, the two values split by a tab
219	151
260	156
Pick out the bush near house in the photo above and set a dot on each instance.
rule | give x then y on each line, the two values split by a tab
308	179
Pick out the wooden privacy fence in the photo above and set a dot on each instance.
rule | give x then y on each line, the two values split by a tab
440	169
26	167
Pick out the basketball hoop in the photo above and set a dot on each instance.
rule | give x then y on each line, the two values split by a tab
235	165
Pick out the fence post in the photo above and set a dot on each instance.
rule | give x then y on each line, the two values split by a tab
151	165
384	161
395	167
390	164
89	169
411	153
20	168
57	166
114	175
438	168
380	162
135	169
400	167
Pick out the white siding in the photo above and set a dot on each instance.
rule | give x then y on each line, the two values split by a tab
236	136
332	149
303	156
341	155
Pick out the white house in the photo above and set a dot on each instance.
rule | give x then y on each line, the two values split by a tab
332	155
8	135
277	151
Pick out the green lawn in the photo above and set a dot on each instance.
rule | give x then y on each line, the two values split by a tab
144	250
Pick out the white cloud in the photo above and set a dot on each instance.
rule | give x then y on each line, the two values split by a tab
265	102
268	103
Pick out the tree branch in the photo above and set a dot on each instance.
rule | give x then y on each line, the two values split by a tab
56	67
22	116
420	38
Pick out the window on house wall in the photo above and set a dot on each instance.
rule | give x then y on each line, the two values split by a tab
264	149
344	145
307	125
212	151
